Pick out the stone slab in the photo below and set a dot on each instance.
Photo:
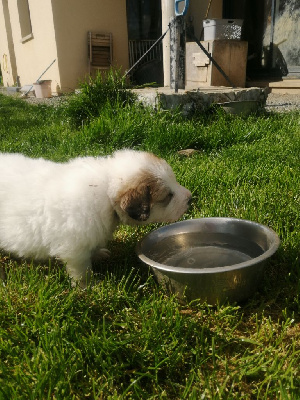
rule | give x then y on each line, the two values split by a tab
199	99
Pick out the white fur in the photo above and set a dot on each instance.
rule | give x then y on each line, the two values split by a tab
70	210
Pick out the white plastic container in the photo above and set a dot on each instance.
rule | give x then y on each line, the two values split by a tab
42	89
222	29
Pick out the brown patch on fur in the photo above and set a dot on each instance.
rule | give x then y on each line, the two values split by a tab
153	158
140	194
136	203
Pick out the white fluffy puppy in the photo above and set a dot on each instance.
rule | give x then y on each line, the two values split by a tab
70	210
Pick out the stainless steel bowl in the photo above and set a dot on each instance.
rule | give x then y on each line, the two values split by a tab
211	259
242	107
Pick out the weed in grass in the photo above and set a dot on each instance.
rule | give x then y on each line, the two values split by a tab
107	88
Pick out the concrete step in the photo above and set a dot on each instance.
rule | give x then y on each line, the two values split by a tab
198	99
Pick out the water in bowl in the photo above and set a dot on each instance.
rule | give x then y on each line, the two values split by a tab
206	257
198	250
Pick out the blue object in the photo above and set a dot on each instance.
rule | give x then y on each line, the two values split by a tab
185	8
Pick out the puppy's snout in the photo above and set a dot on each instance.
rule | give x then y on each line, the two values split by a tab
189	201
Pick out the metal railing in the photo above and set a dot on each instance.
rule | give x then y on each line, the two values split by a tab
137	48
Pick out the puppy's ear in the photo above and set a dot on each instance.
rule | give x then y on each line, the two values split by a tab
136	203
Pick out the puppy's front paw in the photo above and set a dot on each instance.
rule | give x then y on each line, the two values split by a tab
100	254
103	254
79	270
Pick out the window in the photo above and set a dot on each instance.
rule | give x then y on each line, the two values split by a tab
25	22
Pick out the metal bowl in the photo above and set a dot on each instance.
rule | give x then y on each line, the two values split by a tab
211	259
242	107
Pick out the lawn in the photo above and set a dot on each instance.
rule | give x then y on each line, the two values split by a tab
126	338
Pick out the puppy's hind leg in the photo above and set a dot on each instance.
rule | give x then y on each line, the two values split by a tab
80	270
100	254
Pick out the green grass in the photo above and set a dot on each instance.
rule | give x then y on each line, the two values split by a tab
126	338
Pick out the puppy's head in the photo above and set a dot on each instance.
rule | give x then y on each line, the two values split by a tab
151	193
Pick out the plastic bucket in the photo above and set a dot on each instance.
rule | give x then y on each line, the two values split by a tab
42	89
222	29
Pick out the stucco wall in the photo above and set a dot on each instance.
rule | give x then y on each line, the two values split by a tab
6	46
72	21
34	55
59	31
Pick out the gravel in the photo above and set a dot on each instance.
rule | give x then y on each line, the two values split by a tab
51	101
282	102
276	102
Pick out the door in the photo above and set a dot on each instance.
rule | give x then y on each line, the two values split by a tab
281	36
144	28
272	30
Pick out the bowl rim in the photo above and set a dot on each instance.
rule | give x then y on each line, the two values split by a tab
180	270
238	102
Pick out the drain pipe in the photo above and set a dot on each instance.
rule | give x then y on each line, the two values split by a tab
271	53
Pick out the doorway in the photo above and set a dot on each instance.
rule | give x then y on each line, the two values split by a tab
272	30
144	28
281	36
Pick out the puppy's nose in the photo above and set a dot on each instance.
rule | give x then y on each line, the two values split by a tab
189	202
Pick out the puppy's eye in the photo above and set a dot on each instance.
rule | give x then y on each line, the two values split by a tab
168	198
